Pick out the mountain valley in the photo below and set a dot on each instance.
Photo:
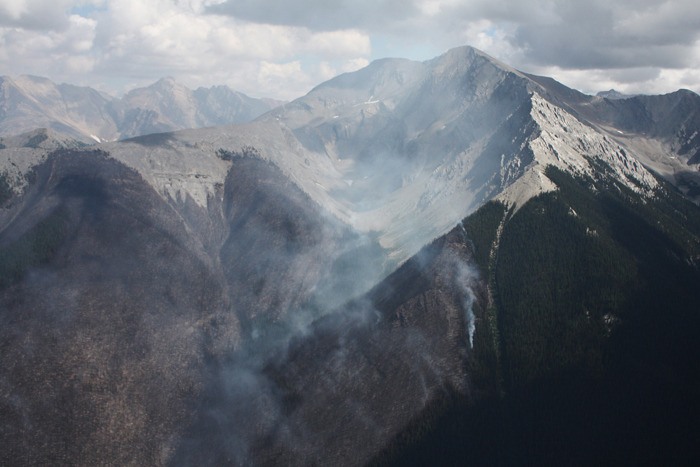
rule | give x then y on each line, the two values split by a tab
442	262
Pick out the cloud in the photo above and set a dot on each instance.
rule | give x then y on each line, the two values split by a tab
34	14
622	34
541	34
122	43
321	15
643	80
53	52
569	34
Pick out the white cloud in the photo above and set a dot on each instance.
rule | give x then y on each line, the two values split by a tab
343	43
128	42
13	10
173	39
253	46
281	75
354	64
41	15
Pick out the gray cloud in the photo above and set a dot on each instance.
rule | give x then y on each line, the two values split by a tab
612	35
35	14
282	49
321	15
567	33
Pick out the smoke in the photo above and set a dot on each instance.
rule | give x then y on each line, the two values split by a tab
466	278
261	403
268	350
323	383
471	323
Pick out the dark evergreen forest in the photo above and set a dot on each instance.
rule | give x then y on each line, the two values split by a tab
589	352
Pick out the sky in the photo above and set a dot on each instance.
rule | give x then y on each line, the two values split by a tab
283	48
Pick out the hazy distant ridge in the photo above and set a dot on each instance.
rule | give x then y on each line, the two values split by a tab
30	102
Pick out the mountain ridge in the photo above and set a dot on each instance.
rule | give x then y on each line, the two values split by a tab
29	102
401	112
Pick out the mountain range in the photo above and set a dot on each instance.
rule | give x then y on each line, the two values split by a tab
418	263
30	102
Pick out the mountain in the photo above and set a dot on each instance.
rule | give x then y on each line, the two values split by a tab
613	95
429	262
41	138
168	105
30	102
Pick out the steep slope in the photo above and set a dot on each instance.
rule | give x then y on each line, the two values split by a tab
127	306
21	153
595	301
662	131
666	130
349	381
104	297
41	138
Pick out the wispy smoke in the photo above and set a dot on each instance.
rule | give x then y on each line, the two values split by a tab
466	278
323	385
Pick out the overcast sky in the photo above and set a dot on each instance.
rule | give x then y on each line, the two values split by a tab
281	49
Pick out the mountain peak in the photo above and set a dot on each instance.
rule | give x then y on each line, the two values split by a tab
613	95
32	79
167	82
466	54
688	92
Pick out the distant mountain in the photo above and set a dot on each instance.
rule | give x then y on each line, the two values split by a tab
433	263
29	102
168	105
613	94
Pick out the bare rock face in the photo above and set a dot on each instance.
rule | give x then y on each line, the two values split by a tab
661	132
